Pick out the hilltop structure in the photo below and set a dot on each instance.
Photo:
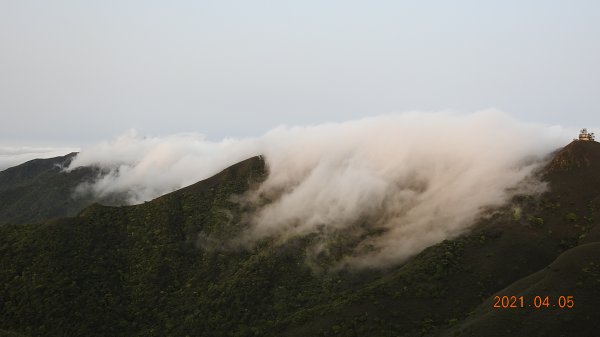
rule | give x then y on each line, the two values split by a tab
584	135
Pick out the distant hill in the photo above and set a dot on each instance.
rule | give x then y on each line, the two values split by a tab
159	269
40	190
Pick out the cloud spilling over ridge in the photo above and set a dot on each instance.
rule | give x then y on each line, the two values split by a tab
147	167
11	156
417	177
421	178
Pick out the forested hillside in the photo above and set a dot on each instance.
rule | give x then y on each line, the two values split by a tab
42	189
167	268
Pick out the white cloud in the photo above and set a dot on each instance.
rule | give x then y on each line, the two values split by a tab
419	177
147	167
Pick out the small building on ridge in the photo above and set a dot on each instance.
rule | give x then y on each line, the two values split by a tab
584	135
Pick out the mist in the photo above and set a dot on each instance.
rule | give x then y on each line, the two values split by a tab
417	178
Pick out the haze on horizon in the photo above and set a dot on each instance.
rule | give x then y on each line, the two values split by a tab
76	73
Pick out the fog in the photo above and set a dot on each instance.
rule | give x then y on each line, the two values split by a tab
417	178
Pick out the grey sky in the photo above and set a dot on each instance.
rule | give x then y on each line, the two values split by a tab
73	72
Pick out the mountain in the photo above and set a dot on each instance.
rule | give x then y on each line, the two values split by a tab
41	189
161	269
565	217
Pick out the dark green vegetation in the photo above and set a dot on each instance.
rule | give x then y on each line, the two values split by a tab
40	190
158	269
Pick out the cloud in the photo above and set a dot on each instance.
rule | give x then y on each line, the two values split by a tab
147	167
415	179
12	156
418	178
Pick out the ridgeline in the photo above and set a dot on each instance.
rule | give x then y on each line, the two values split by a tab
157	269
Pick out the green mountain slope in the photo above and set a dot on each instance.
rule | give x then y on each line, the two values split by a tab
159	269
568	215
572	280
39	190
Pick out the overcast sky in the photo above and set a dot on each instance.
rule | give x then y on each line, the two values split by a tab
75	72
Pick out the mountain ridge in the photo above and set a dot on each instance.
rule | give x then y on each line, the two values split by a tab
153	269
41	189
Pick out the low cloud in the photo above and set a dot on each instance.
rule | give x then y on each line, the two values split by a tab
147	167
415	178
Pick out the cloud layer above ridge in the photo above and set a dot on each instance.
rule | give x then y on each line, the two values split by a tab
419	177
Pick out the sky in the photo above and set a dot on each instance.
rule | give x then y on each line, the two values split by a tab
361	108
78	72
